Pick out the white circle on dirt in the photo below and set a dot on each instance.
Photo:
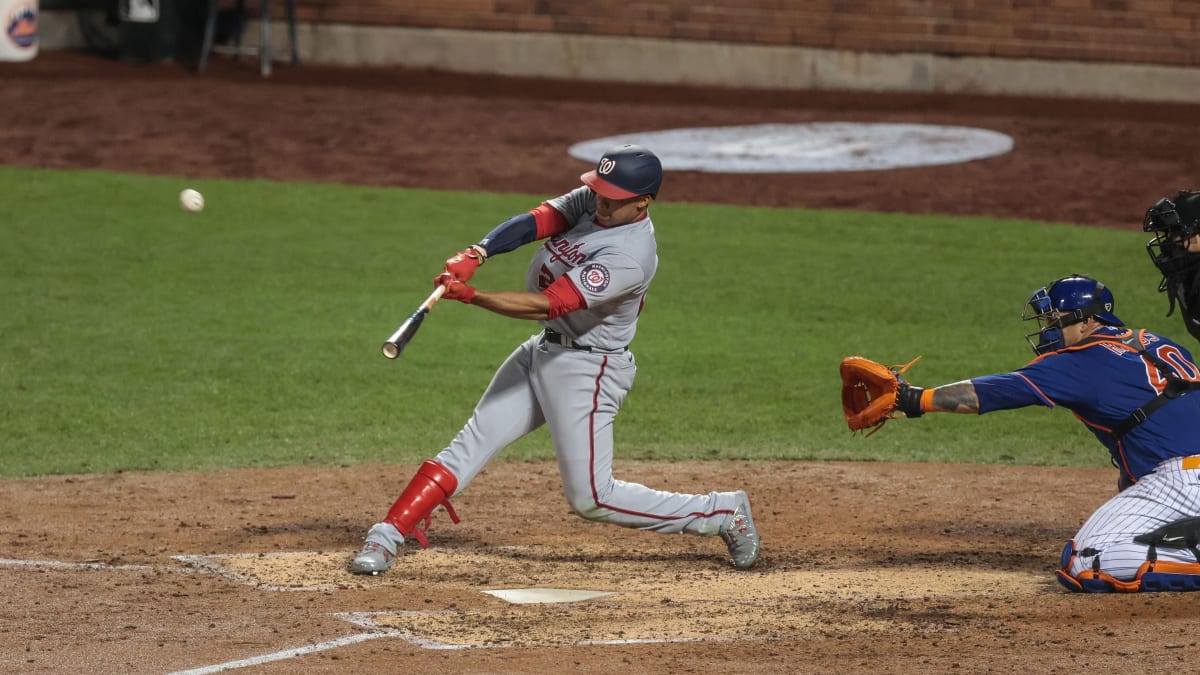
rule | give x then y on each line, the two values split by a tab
807	148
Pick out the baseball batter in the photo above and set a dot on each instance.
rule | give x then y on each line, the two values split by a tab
1175	250
1139	393
585	286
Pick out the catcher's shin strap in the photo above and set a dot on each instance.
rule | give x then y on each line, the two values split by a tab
1176	385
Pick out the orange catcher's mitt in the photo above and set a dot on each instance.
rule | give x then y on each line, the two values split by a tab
870	391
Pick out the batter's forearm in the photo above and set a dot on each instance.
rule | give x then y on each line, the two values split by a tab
515	304
959	397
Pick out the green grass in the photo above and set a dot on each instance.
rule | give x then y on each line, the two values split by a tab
135	336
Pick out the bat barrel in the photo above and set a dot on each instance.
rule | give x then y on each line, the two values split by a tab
404	334
400	339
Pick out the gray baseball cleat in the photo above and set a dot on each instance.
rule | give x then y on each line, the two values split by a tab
741	536
379	551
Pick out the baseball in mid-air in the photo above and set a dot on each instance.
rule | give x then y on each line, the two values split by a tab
191	200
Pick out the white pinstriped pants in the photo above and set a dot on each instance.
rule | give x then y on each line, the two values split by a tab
1170	493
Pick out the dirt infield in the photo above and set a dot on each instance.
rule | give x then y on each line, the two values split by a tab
867	566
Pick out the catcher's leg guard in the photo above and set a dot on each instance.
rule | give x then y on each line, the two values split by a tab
1093	580
1169	575
1152	576
430	488
1063	573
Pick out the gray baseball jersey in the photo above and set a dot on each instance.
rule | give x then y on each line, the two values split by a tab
612	267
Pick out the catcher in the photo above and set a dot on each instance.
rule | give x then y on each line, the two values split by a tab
1175	251
1135	390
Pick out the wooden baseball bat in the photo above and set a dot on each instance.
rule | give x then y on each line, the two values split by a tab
400	339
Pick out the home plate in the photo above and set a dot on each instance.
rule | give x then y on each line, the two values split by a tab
527	596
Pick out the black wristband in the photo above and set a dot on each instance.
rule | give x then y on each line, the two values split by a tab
908	400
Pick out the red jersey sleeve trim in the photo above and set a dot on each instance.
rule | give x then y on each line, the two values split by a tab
549	221
564	297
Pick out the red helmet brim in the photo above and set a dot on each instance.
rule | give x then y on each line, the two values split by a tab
605	188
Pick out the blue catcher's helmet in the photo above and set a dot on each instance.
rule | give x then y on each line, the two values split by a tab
626	171
1064	302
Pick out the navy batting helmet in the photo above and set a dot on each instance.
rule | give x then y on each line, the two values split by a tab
625	171
1064	302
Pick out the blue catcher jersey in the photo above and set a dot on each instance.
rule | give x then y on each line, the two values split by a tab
1103	383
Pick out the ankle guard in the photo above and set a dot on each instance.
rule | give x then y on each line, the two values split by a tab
429	489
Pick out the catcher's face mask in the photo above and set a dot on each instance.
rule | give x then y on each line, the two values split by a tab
1168	249
1040	308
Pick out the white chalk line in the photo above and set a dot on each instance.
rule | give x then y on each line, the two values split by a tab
83	565
192	564
285	654
367	620
376	631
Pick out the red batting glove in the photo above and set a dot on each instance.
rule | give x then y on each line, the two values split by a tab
463	264
457	290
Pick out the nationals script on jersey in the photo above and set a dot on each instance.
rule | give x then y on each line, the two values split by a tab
611	266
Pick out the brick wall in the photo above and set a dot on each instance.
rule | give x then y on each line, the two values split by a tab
1160	32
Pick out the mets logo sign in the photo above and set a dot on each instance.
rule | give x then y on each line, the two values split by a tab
594	277
21	25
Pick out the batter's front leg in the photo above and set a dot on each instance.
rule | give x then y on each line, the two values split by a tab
507	411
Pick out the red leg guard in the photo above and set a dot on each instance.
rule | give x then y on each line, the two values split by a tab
431	487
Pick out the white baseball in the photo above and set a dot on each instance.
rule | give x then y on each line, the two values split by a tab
191	200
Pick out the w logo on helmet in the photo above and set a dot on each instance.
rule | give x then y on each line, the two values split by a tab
625	172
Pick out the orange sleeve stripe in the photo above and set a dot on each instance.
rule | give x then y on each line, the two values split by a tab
1037	391
564	297
549	221
1124	464
927	400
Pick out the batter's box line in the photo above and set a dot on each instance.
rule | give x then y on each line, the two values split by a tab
193	564
89	565
367	620
207	563
374	634
375	631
